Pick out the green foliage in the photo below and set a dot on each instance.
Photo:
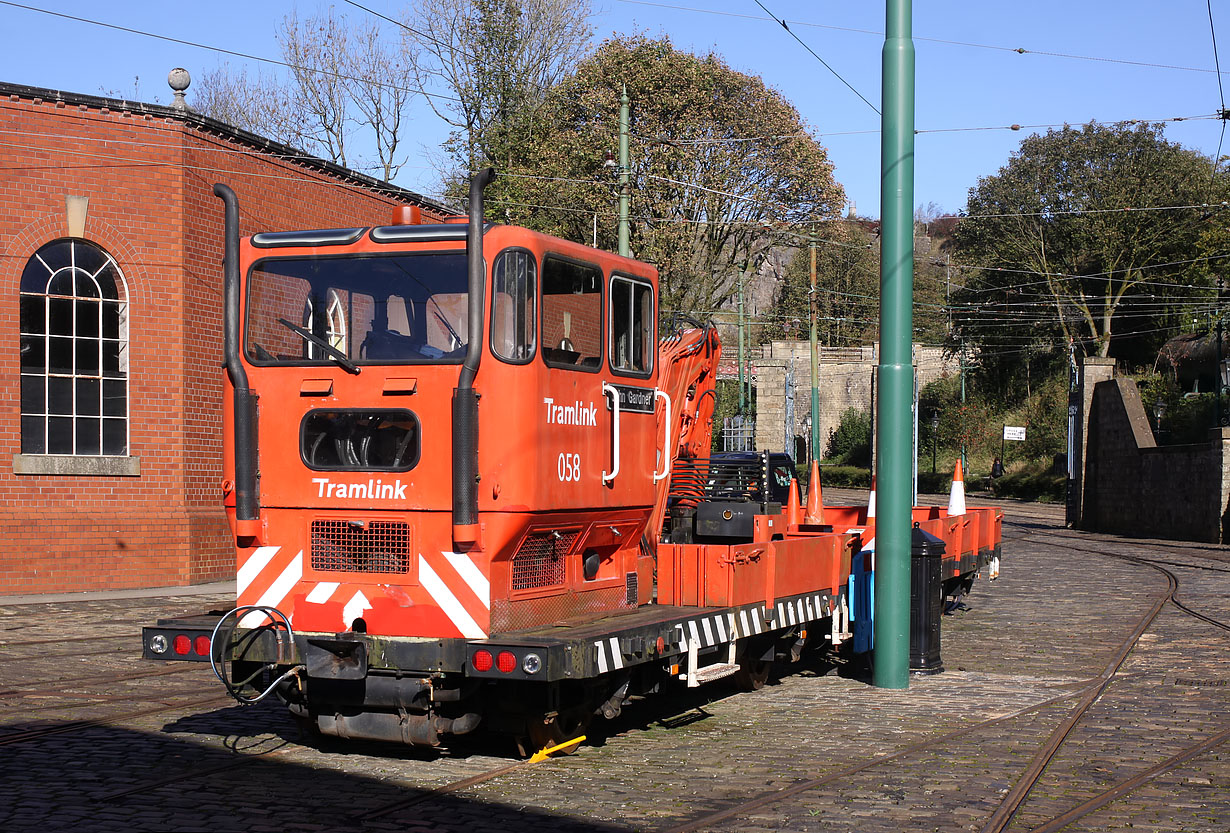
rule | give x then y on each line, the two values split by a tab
1186	418
1064	258
1037	480
844	477
850	444
1046	421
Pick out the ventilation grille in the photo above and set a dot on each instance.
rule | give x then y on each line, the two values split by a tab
351	547
540	561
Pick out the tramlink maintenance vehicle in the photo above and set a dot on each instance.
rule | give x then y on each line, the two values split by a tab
468	484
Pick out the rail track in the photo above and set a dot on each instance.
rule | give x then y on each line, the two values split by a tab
1079	697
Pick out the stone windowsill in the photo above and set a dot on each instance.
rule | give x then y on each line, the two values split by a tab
57	464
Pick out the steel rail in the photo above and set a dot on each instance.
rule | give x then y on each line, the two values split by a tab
1126	786
1029	778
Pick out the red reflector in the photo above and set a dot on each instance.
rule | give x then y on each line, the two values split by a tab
201	644
482	661
181	644
506	661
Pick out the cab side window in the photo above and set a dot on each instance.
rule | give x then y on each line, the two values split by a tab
632	343
571	314
514	293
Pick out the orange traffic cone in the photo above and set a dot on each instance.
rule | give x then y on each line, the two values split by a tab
793	510
815	505
956	498
871	499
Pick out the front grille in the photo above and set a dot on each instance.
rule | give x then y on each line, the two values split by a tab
361	547
540	560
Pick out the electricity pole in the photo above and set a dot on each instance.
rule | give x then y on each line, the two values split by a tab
894	462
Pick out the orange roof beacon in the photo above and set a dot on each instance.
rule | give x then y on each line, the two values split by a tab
469	484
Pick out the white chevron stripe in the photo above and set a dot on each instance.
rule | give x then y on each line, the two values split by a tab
708	628
252	568
277	591
617	656
602	666
448	603
354	608
471	575
744	627
321	592
721	628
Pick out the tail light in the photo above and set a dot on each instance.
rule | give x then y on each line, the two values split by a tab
506	661
201	645
483	660
182	645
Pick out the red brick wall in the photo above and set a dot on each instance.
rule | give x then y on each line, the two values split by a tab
149	181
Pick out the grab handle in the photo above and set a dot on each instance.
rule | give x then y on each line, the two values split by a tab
666	438
614	394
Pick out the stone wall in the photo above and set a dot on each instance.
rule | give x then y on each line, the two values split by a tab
845	381
1131	486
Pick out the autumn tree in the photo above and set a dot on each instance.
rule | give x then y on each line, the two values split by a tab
1084	237
718	162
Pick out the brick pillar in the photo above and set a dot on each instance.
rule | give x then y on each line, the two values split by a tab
1094	369
771	404
1221	447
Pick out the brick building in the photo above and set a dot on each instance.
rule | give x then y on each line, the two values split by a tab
110	321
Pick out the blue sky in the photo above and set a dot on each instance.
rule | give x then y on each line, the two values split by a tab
1109	62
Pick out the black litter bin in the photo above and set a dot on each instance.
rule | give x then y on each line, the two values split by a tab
926	601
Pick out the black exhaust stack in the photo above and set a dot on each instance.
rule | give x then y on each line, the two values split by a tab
247	504
465	399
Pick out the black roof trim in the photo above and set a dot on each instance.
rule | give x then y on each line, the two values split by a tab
315	237
194	119
434	231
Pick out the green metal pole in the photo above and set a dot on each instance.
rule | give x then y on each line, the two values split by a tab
895	372
815	364
625	182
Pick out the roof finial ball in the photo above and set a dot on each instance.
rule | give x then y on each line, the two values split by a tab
179	79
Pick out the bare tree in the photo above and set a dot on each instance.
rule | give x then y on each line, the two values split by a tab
346	81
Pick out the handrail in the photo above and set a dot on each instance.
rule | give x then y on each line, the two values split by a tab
666	437
614	394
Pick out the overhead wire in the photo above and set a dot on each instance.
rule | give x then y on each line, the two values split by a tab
879	33
224	51
816	55
1220	91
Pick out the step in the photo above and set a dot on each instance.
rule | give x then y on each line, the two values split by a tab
717	671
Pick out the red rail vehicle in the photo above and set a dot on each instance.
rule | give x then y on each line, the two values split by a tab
468	484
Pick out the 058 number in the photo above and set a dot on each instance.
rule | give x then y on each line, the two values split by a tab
568	468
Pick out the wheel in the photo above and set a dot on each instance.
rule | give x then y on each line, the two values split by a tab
544	733
753	674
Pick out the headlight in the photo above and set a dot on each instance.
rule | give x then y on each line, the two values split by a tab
158	644
532	664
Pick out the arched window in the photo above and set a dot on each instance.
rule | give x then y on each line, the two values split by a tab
74	352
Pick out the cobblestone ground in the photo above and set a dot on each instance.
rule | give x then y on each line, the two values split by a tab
1016	658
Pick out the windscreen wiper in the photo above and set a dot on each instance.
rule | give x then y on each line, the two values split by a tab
311	337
